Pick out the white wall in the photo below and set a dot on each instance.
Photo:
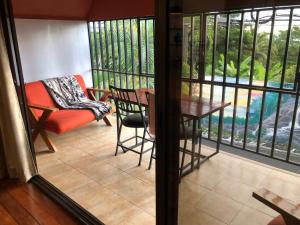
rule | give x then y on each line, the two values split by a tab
52	48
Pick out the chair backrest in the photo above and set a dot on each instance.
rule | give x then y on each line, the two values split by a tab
126	101
151	113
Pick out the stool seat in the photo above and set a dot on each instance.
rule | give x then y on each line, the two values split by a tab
135	120
277	221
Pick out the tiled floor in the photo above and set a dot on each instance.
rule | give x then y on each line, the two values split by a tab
118	192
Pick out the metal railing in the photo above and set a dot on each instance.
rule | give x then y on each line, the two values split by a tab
247	56
122	52
236	59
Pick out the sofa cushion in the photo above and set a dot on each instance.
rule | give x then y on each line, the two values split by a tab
36	93
66	120
82	84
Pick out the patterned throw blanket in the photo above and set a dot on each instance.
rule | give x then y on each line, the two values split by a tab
68	94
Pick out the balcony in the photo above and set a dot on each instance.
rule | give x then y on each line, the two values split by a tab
118	192
248	57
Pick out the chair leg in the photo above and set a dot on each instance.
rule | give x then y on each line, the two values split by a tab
151	156
106	121
48	142
199	150
142	147
183	158
119	129
136	134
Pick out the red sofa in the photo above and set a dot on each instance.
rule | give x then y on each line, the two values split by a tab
47	115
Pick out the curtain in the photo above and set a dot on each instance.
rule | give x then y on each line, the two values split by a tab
15	157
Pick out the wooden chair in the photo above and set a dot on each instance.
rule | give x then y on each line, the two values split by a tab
289	212
130	114
151	123
185	133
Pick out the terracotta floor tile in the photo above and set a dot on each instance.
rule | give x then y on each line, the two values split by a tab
218	206
117	191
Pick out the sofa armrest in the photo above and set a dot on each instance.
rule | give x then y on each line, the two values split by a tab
44	108
289	211
105	96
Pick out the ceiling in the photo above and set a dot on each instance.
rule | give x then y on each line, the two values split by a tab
82	9
114	9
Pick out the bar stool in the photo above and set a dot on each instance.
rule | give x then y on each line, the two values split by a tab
130	114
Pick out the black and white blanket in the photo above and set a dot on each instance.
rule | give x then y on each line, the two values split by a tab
68	94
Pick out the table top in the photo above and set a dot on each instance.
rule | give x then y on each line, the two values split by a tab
193	107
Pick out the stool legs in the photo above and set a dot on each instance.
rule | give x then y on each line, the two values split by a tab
151	156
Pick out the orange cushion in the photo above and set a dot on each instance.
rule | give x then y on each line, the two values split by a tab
62	120
277	221
66	120
82	84
36	93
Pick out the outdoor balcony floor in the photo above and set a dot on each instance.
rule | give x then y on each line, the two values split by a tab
116	191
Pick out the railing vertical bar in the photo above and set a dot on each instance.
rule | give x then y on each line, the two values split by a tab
241	35
224	72
96	53
286	48
266	80
213	69
107	50
254	48
226	52
146	46
201	69
269	49
119	52
247	117
139	51
276	124
113	51
251	77
101	53
91	52
295	110
202	52
281	84
132	54
191	54
125	52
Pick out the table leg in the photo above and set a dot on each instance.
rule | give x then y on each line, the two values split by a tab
193	144
220	128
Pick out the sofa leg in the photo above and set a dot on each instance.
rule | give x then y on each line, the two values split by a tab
47	141
106	121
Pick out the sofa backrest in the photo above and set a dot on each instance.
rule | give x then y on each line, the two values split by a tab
36	93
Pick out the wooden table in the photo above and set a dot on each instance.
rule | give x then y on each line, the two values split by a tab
194	108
